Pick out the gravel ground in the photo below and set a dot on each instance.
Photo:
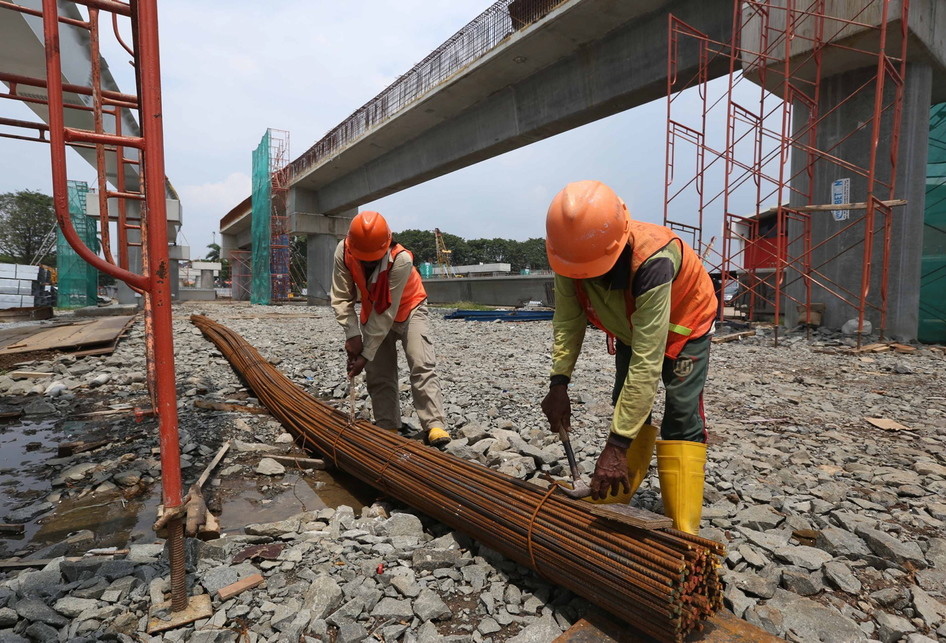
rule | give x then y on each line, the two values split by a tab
834	528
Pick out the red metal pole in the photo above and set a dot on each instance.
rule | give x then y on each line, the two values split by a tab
152	129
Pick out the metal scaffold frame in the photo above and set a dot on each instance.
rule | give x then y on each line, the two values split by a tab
751	158
138	190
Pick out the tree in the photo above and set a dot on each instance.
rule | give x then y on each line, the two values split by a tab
26	220
214	252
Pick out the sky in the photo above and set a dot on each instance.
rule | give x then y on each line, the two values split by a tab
232	69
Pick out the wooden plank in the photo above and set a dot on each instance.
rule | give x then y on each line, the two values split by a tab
10	415
846	206
29	375
231	590
11	529
213	463
83	333
723	627
903	348
640	518
722	339
302	463
887	424
871	348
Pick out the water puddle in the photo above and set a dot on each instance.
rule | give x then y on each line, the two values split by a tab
26	446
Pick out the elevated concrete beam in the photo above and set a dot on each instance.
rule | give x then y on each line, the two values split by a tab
624	69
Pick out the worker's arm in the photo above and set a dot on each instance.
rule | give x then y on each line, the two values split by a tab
344	294
568	329
568	332
379	324
650	324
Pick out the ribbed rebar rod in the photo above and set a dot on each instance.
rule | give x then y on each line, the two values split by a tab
662	583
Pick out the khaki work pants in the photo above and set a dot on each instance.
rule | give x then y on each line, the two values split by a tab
381	374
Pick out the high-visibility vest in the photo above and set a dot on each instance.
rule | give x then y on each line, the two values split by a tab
377	297
693	304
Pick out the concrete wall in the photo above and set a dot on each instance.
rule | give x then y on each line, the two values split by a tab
513	290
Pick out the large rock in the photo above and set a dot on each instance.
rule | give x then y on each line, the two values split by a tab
431	559
35	610
323	597
216	578
402	524
930	609
803	619
841	576
761	517
889	548
269	467
393	608
809	558
71	606
542	630
430	607
840	542
213	636
891	627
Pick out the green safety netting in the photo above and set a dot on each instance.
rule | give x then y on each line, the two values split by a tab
77	281
260	284
932	327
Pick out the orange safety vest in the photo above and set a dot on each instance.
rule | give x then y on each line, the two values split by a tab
378	296
693	304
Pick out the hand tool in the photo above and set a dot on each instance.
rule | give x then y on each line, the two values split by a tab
580	489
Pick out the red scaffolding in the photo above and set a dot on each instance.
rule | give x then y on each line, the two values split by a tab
755	139
135	161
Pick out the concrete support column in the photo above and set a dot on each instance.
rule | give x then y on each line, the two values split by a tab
320	253
841	260
207	279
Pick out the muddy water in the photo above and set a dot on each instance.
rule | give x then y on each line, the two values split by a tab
242	501
24	446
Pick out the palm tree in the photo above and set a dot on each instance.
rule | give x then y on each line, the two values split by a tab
214	254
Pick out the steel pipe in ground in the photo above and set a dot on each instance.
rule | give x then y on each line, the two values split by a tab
662	583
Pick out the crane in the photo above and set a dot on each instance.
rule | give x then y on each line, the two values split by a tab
443	255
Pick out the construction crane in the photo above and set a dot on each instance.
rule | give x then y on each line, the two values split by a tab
443	255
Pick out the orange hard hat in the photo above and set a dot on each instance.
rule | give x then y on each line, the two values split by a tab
369	236
586	229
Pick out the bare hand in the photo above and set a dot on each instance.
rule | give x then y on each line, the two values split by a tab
558	408
610	473
354	346
356	366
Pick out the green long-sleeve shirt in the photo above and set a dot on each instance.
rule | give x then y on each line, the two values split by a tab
645	331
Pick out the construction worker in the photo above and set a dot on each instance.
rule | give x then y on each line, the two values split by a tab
648	291
393	307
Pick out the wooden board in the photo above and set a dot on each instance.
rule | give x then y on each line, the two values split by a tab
723	627
887	424
80	333
231	590
640	518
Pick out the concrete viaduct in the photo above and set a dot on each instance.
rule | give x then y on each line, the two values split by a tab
582	61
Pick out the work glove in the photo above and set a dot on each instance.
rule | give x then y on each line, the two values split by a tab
558	408
610	473
353	346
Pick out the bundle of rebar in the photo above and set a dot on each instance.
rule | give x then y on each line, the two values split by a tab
663	583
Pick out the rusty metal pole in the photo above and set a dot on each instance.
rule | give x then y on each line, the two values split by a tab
159	275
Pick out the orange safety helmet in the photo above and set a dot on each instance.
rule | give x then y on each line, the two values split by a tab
586	229
369	236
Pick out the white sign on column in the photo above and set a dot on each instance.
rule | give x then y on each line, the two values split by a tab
841	193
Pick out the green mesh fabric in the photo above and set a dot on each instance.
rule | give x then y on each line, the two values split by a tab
260	284
932	327
77	281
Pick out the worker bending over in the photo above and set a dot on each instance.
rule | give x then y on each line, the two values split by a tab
645	288
393	307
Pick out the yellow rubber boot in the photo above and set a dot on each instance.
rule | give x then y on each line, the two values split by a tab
680	465
438	437
639	455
